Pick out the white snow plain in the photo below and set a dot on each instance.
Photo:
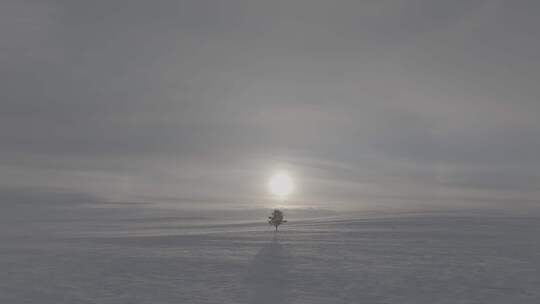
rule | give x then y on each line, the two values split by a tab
116	255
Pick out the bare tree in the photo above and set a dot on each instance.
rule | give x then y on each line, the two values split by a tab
276	218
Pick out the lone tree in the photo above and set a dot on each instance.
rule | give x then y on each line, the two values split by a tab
276	218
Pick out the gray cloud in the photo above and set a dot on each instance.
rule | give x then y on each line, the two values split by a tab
202	99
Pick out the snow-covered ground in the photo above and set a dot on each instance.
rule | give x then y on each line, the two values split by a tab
113	255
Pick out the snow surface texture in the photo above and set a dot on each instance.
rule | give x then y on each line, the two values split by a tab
113	256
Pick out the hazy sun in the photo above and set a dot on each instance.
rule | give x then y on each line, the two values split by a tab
281	185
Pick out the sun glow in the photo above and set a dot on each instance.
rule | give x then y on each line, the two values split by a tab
281	185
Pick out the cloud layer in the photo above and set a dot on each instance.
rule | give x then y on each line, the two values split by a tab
366	102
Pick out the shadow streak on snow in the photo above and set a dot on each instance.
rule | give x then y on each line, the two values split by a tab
268	274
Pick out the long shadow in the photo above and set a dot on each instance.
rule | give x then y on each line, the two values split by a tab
268	274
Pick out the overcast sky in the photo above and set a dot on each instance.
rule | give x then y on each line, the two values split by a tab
366	103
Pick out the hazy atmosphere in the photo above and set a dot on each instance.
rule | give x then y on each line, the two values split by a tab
367	103
279	151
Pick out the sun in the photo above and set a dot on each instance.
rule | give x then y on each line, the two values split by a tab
281	185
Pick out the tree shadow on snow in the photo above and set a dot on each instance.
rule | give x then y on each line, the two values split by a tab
268	274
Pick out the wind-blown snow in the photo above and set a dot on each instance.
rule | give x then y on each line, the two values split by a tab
113	256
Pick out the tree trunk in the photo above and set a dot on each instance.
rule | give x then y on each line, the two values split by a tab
276	227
